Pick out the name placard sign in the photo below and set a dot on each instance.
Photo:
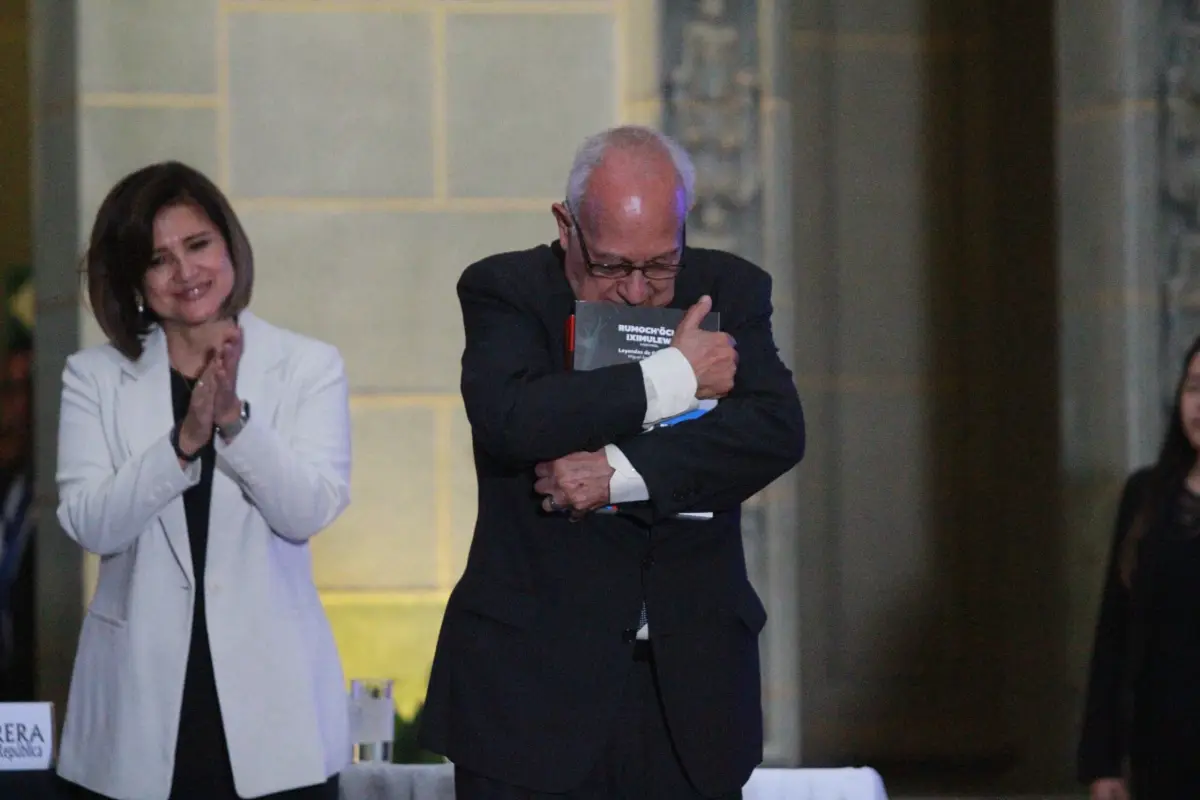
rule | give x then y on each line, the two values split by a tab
26	736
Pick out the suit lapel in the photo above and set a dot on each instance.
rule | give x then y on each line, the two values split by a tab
690	284
145	415
561	304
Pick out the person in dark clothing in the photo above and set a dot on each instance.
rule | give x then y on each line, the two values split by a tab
1141	727
16	524
588	655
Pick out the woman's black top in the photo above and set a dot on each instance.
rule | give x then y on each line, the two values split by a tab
202	767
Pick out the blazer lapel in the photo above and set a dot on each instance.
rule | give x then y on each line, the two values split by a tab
145	415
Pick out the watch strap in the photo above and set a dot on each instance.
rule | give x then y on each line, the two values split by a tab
234	428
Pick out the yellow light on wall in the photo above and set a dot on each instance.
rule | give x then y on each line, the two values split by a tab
387	635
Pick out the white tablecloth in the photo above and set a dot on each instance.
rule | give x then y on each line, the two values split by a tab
850	783
436	782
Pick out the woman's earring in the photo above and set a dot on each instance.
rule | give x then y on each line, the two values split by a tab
140	306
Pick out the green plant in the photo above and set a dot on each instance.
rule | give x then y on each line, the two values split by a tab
16	308
405	749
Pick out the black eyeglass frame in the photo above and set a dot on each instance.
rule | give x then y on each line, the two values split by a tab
620	271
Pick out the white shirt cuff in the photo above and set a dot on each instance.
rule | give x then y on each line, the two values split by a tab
670	385
626	484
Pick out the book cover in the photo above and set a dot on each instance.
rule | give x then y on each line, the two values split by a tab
603	334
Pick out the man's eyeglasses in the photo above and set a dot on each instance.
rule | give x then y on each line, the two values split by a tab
651	271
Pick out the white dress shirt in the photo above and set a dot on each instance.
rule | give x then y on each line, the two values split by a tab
670	390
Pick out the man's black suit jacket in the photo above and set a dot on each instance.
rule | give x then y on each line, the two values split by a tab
534	651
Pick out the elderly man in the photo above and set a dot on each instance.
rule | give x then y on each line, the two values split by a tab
587	655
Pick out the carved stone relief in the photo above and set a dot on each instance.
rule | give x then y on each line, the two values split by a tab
711	105
1180	110
710	49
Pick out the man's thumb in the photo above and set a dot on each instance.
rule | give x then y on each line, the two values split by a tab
695	315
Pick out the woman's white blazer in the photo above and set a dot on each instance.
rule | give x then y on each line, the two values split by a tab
283	479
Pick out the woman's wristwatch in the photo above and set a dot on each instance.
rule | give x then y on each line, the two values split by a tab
234	428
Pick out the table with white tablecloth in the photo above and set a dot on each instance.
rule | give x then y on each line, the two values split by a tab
436	782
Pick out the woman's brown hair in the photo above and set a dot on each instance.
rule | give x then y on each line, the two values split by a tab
1176	458
122	244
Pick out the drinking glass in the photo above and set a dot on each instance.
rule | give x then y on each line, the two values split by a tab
372	719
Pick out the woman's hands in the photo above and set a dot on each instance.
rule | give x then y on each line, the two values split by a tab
227	408
197	427
214	398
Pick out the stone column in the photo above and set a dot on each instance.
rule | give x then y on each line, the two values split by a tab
56	232
1124	270
725	100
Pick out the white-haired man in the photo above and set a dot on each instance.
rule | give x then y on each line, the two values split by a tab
589	655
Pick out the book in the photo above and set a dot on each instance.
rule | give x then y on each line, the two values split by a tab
604	334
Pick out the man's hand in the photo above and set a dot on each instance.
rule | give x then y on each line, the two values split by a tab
577	483
713	356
